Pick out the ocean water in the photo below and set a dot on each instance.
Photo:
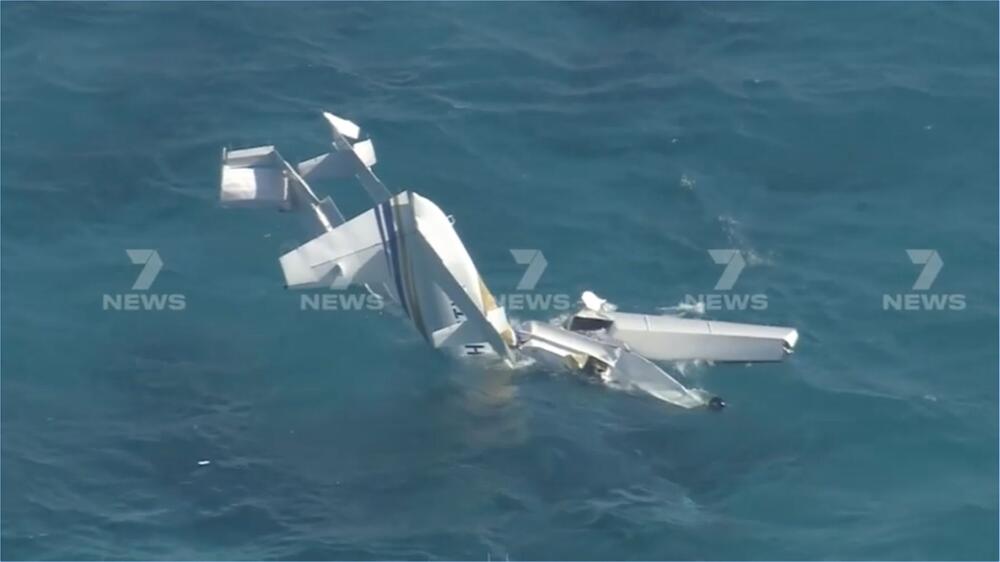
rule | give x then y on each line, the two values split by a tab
623	141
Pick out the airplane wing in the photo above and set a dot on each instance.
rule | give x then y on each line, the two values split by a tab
669	338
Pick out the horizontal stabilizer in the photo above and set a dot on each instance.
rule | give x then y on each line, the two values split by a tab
345	127
249	157
253	177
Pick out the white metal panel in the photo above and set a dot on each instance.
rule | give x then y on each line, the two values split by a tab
253	187
670	338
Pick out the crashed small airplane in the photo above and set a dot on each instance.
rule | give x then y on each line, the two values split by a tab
405	250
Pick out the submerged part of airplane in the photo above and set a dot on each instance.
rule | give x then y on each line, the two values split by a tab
405	250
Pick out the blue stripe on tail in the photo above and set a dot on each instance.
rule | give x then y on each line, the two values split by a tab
392	248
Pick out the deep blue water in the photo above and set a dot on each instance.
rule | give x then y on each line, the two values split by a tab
624	141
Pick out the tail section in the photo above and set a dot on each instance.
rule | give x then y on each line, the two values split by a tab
407	246
260	178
